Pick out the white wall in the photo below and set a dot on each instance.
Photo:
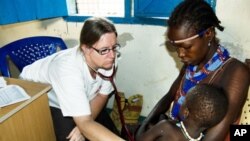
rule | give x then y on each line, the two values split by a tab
235	17
145	67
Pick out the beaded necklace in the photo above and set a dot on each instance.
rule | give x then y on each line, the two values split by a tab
186	134
192	77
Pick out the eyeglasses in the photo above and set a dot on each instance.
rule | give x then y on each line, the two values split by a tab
106	50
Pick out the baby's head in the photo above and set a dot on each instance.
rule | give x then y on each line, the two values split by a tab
206	104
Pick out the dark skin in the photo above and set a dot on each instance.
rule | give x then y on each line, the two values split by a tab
162	131
234	80
167	130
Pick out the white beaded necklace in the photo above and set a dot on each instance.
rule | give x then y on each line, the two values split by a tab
188	136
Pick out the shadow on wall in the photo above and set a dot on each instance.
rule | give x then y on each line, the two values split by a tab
124	38
49	22
71	42
235	50
172	52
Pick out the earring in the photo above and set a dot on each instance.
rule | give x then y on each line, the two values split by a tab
209	43
184	114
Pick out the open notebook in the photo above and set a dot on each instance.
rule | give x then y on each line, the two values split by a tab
10	94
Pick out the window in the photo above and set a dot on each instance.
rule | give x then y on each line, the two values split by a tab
155	8
107	8
118	11
154	12
14	11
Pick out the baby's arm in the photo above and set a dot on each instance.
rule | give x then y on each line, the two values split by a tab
155	131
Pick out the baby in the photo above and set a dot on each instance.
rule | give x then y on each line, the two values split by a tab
205	106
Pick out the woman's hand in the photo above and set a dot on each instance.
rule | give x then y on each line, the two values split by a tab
75	135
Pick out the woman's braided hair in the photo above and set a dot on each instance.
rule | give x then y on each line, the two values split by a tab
196	15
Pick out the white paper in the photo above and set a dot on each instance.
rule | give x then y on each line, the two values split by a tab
11	94
2	82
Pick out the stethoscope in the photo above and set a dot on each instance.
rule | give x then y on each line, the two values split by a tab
117	97
118	101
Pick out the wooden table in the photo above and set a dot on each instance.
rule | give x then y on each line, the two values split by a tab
28	120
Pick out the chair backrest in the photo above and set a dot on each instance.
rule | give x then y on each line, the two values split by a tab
245	115
27	50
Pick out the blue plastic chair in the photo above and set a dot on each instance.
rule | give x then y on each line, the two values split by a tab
27	50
